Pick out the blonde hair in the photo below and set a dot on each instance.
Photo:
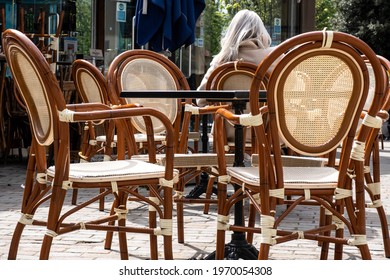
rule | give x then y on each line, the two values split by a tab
245	26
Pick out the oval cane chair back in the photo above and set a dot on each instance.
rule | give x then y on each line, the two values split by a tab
89	82
143	70
234	75
40	103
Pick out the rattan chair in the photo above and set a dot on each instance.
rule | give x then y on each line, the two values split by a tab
234	75
147	70
91	85
315	95
205	164
143	70
372	157
49	117
98	138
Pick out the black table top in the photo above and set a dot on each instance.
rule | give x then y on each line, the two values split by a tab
220	95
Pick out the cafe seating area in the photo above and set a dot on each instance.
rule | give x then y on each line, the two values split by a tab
264	208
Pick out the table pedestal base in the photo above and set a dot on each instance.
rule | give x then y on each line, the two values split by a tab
200	189
237	248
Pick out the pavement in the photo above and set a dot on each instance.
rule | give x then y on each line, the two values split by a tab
200	228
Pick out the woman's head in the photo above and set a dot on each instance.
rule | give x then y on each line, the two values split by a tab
245	25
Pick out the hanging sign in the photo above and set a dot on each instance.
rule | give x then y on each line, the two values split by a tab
121	12
277	26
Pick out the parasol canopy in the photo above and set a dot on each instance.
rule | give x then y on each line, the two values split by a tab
167	25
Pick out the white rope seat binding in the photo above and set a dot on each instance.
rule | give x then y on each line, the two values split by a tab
154	200
224	179
337	222
178	195
190	108
82	226
41	178
300	233
223	222
67	185
165	227
374	122
121	213
342	193
357	152
26	219
66	115
51	233
357	239
250	120
268	233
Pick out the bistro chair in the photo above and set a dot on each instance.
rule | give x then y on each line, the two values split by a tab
315	96
234	75
139	70
147	70
91	86
372	157
49	117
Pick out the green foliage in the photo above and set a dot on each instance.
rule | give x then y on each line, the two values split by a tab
325	13
367	19
218	14
214	20
83	25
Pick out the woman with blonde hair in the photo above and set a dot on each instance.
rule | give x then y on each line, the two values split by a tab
246	39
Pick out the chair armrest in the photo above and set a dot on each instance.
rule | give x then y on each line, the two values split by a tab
86	107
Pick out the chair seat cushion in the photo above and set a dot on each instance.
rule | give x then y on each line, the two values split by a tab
294	177
103	138
140	137
121	170
194	160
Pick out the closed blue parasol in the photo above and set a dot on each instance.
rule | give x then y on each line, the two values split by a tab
167	24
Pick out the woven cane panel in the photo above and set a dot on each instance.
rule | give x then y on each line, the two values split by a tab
91	87
144	74
315	99
38	107
237	81
371	89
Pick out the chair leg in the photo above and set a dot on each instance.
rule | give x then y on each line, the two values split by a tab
180	210
13	249
153	238
46	246
365	252
209	192
101	200
327	220
167	213
180	221
220	244
122	223
385	231
56	203
74	196
264	251
110	234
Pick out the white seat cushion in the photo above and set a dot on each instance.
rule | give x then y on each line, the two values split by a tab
121	170
294	177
